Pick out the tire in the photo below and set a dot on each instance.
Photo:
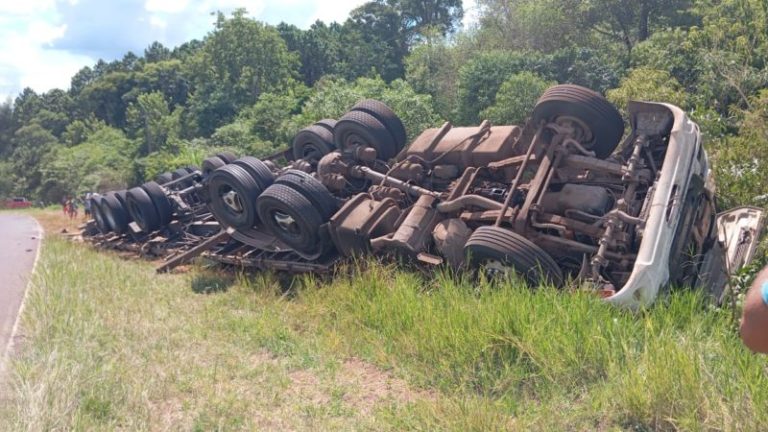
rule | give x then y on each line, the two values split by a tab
121	196
360	128
291	217
312	189
263	176
327	124
142	210
212	164
491	244
191	168
179	173
387	117
312	143
601	118
161	202
114	213
232	192
164	178
98	215
227	157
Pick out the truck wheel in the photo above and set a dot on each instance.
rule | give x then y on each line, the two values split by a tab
601	122
361	128
312	143
114	213
232	192
142	210
387	117
312	189
98	215
164	178
327	124
290	217
211	164
161	202
227	157
179	173
121	196
258	170
500	250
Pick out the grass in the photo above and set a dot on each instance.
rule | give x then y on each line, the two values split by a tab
110	345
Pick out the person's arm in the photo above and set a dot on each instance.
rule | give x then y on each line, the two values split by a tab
754	321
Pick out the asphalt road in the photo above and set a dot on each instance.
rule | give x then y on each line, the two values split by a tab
19	242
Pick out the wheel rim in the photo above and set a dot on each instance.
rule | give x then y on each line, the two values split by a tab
232	200
137	214
286	223
495	268
581	132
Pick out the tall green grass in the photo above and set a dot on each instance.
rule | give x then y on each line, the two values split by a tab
109	345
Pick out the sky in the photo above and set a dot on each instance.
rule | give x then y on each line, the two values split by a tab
44	42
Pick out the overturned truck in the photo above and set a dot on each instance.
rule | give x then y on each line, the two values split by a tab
571	195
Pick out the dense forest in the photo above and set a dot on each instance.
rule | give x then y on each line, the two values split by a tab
248	86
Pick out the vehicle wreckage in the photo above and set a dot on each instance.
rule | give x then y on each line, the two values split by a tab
568	196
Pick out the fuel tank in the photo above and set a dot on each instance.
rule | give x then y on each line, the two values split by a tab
466	146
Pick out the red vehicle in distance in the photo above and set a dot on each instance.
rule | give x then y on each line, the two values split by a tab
17	203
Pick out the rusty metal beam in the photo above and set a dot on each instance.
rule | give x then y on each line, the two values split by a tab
195	251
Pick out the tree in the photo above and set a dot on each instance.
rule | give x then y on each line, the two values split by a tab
239	60
156	52
150	120
422	17
630	22
31	144
543	25
516	98
7	127
319	49
432	68
104	97
100	163
481	77
334	97
648	85
740	162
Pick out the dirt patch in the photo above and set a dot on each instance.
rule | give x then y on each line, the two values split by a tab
369	385
56	222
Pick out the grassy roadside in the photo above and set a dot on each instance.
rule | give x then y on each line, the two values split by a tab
110	345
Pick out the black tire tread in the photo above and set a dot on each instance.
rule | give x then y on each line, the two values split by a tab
263	176
147	218
526	257
370	129
161	202
211	164
114	212
235	177
316	135
227	157
387	117
312	189
607	129
284	196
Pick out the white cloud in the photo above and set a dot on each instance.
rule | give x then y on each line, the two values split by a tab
43	43
166	6
337	11
25	7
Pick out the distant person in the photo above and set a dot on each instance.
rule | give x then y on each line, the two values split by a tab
64	204
87	205
754	320
72	208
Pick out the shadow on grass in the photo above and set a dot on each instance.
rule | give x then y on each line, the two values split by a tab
211	283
